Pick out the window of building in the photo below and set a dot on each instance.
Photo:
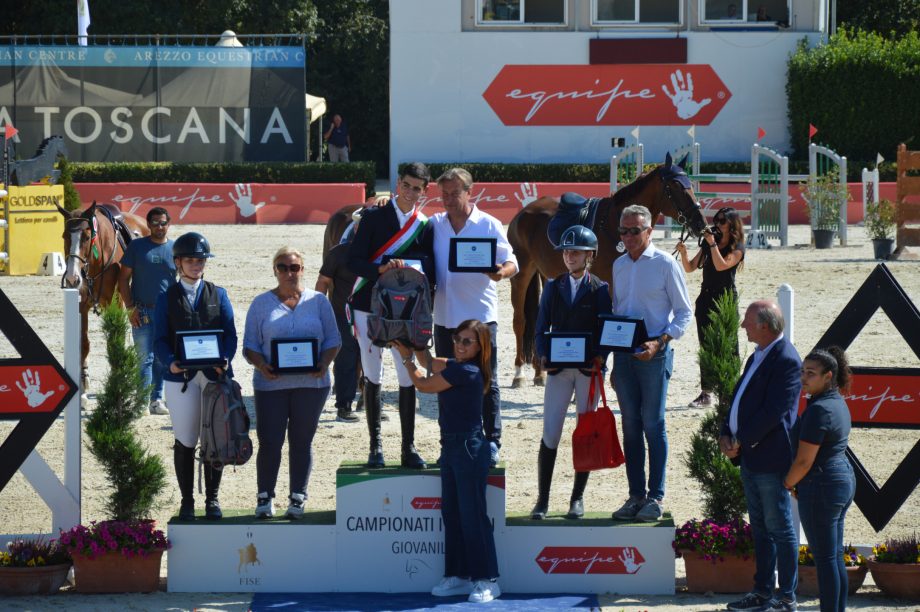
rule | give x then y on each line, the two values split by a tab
768	12
525	12
636	11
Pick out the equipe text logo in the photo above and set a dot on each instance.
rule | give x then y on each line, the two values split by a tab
426	503
590	560
608	94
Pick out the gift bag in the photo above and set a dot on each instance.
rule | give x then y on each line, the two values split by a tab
595	444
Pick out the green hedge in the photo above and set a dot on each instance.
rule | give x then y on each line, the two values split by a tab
860	90
252	172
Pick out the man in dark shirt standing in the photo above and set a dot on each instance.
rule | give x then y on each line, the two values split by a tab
147	269
338	140
337	281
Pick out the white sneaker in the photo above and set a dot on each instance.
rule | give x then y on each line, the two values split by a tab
158	407
295	510
452	585
484	591
264	507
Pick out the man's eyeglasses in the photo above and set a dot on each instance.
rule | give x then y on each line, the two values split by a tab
158	223
632	231
458	339
295	268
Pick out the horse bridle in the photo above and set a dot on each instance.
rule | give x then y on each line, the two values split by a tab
69	226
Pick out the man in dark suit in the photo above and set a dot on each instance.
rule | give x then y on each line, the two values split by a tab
390	236
764	408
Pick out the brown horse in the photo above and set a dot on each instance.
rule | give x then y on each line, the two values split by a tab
335	226
94	251
665	190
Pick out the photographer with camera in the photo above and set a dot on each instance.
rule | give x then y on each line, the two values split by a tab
719	266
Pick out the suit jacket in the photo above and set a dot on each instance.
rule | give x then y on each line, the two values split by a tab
591	300
377	226
767	410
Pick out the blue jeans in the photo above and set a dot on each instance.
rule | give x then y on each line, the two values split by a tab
469	546
151	368
642	390
345	367
492	402
776	545
825	494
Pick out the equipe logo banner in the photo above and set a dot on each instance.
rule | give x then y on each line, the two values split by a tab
590	560
607	94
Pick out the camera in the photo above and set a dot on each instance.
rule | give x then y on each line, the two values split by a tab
716	233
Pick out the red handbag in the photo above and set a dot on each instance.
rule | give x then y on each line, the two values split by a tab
595	444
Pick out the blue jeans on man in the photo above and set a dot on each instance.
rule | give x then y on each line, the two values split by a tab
150	366
825	495
642	391
776	545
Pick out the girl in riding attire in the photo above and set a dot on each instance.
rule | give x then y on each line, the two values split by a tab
192	303
719	266
570	302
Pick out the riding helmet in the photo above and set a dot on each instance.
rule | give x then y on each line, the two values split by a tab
192	244
577	238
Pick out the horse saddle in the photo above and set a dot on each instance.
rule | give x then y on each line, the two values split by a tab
573	210
122	231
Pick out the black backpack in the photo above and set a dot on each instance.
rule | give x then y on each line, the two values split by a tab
401	309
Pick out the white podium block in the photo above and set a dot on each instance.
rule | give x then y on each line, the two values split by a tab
389	532
591	555
241	554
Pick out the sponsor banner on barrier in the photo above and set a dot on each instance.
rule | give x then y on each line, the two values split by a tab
882	397
244	558
35	227
229	203
550	559
390	527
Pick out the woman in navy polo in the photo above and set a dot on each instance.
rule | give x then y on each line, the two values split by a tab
821	476
470	563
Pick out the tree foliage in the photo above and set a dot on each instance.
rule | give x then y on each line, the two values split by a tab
720	481
885	17
136	475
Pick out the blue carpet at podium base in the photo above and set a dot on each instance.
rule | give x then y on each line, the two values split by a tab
405	602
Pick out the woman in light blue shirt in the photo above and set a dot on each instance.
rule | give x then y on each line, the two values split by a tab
288	402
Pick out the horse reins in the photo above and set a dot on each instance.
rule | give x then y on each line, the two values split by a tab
91	280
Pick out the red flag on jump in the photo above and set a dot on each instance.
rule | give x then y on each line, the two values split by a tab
812	130
9	132
761	133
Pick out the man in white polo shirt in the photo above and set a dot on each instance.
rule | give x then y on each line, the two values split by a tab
469	295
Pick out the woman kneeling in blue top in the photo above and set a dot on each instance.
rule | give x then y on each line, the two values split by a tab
821	476
288	402
470	564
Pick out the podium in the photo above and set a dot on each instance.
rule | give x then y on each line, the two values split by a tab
386	535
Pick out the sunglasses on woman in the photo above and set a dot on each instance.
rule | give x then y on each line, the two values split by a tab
458	339
632	231
295	268
719	220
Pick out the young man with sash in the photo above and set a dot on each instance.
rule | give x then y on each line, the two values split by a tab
388	237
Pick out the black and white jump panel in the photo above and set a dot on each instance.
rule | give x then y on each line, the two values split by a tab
387	536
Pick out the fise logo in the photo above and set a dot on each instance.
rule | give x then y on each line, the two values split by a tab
590	560
426	503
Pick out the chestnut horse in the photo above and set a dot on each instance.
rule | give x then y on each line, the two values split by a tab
665	190
94	251
335	226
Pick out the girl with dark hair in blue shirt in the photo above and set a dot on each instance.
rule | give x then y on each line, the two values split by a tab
821	476
470	563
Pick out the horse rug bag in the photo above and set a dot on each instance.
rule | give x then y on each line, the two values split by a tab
224	424
401	309
595	444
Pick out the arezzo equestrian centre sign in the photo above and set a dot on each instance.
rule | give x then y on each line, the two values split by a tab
145	103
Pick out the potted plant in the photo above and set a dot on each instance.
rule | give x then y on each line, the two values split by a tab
881	218
718	551
895	567
121	554
808	573
33	567
824	195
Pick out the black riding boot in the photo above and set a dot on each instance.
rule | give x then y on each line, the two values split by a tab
546	461
410	456
212	478
576	502
372	406
184	462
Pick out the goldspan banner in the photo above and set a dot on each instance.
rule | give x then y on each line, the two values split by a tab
157	103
